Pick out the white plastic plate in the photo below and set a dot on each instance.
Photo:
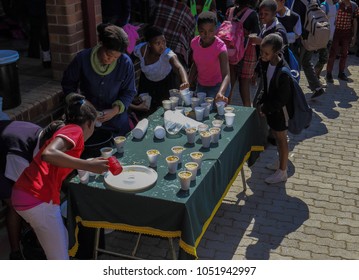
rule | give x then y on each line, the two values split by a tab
133	178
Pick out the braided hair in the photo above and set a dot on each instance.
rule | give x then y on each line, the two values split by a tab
78	110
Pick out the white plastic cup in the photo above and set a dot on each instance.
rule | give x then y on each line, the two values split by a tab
228	109
201	96
199	111
202	127
119	142
84	176
186	97
194	102
153	157
220	107
180	109
172	163
146	98
217	123
207	108
185	179
206	138
197	157
210	101
176	92
229	119
192	167
191	135
178	151
215	133
160	132
106	152
166	104
174	102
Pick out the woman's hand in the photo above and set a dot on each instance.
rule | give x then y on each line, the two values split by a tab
108	114
142	107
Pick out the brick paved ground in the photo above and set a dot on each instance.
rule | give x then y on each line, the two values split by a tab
314	215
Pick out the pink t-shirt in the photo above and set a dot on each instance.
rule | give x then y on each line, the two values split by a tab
207	61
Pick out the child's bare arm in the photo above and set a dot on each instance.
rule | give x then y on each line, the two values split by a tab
179	69
55	154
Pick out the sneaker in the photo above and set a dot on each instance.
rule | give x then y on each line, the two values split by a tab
329	78
343	77
277	177
317	93
273	165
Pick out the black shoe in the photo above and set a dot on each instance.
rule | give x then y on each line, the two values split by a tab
343	77
329	78
317	93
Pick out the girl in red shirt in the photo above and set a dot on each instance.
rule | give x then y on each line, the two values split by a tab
36	194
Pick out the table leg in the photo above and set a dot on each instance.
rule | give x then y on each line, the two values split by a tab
97	239
136	246
243	180
170	240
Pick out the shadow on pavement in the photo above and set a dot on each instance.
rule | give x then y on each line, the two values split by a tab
341	95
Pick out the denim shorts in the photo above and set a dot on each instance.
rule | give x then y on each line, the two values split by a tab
212	90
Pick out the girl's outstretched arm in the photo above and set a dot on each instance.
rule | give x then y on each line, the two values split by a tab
179	69
55	154
223	60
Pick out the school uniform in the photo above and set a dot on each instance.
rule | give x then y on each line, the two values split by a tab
276	101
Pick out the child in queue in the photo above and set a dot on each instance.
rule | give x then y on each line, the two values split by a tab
276	101
211	66
36	194
159	65
267	16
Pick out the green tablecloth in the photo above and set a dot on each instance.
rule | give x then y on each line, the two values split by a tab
164	210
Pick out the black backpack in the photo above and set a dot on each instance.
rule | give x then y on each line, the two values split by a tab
302	113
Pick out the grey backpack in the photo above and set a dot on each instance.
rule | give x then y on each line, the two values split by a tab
316	29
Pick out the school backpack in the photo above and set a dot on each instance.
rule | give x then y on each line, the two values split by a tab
231	32
316	27
293	65
302	113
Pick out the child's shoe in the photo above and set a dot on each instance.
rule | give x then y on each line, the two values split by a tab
273	165
343	77
329	78
277	177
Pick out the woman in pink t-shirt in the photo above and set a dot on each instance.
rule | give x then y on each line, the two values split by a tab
210	58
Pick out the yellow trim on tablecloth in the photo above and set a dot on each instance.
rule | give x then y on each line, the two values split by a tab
157	232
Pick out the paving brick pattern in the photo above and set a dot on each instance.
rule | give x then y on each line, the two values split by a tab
314	215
